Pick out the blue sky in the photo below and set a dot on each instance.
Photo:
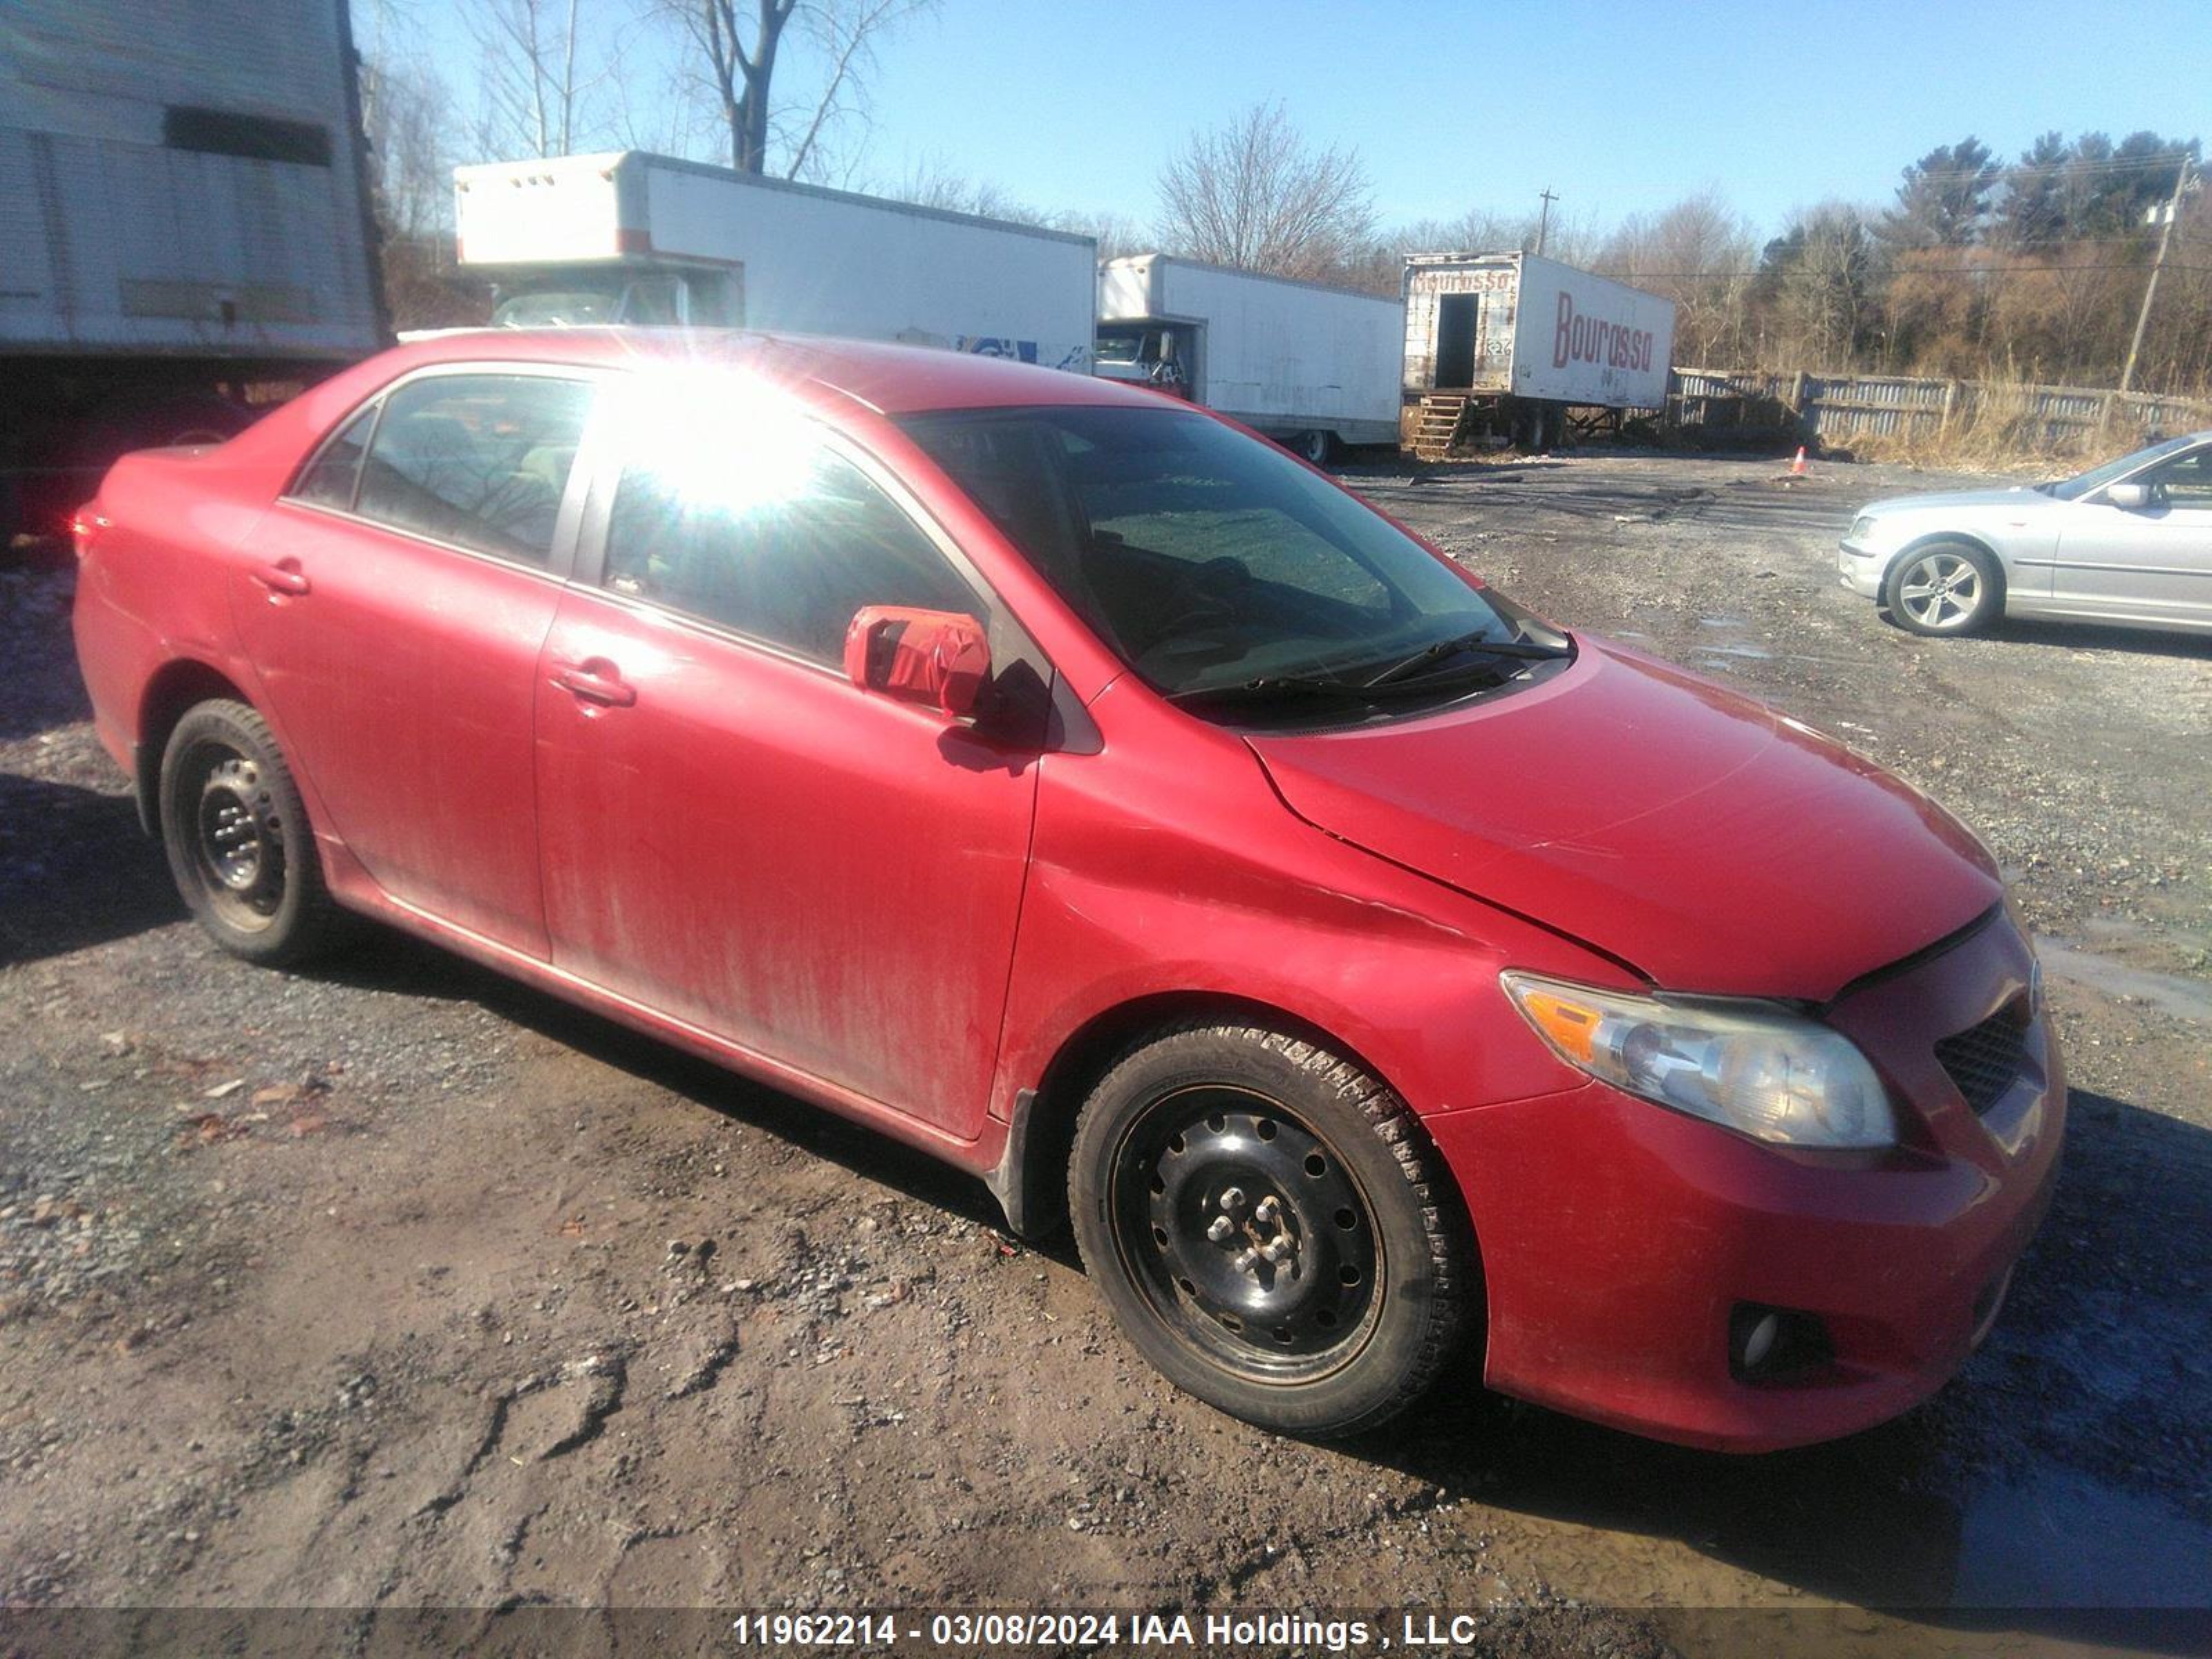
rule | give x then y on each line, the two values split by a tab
1619	108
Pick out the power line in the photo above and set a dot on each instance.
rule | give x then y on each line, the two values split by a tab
1628	274
2000	171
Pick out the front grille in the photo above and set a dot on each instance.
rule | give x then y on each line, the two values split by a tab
1983	1060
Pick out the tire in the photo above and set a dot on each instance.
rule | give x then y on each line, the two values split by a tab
239	847
1207	1147
1315	447
1943	589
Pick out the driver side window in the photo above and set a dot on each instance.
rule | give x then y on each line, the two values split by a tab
2184	482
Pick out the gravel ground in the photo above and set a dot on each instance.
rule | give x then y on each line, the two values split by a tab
393	1285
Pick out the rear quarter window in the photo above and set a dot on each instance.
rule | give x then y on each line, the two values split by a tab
332	478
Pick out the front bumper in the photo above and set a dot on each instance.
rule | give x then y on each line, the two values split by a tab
1859	569
1617	1237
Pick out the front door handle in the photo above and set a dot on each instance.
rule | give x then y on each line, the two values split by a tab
597	681
284	576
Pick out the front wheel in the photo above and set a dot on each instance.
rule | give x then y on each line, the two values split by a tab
237	837
1944	588
1270	1228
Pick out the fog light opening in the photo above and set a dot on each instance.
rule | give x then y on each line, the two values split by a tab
1776	1345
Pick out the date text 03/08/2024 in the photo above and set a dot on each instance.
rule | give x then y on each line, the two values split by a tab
984	1632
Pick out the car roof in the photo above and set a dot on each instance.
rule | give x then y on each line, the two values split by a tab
891	379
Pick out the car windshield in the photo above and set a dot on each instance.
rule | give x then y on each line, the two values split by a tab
2098	476
1118	347
1212	563
564	310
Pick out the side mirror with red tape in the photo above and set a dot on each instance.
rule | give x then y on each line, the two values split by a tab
939	659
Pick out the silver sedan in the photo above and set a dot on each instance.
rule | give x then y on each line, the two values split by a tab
2129	542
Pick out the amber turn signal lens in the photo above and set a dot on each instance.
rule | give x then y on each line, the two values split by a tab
1571	1026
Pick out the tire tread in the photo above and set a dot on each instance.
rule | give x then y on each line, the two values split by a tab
316	919
1443	1228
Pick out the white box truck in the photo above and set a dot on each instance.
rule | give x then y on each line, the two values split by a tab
183	213
1504	344
642	239
1312	366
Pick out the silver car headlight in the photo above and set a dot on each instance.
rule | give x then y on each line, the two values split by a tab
1861	528
1763	1072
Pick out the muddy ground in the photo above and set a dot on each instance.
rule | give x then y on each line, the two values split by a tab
392	1285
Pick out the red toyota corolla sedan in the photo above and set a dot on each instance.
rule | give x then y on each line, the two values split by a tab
1063	780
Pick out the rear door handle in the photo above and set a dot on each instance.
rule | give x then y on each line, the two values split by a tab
599	682
283	577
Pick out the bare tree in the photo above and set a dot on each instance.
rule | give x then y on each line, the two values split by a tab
532	96
403	105
1822	277
934	184
735	48
404	108
1255	195
1700	253
1115	233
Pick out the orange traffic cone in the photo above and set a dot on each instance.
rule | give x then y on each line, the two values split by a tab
1797	466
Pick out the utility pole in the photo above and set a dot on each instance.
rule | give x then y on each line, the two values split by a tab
1544	224
2150	289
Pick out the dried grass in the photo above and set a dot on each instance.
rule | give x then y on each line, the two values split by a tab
1998	429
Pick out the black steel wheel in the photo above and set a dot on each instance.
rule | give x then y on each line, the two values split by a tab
237	836
1270	1228
1244	1230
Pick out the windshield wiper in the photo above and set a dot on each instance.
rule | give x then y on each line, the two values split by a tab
1269	687
1530	650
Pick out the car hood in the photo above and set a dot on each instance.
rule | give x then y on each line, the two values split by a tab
1701	837
2015	496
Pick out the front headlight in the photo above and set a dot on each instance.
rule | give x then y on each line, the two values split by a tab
1764	1073
1861	528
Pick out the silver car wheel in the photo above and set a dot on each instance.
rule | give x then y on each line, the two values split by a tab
1942	590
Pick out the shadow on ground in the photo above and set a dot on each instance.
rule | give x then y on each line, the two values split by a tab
2092	636
74	871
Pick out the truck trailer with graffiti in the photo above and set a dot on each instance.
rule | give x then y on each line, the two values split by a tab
1505	345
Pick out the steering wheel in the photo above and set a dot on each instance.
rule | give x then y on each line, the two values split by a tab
1189	601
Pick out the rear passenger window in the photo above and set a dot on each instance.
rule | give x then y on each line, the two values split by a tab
332	476
478	460
785	553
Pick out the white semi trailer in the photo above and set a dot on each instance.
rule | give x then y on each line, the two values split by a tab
1506	344
183	215
1313	367
642	239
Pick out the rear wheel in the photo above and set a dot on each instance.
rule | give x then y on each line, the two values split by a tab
1944	588
1270	1229
1316	446
237	836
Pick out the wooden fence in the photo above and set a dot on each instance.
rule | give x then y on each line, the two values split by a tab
1840	408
